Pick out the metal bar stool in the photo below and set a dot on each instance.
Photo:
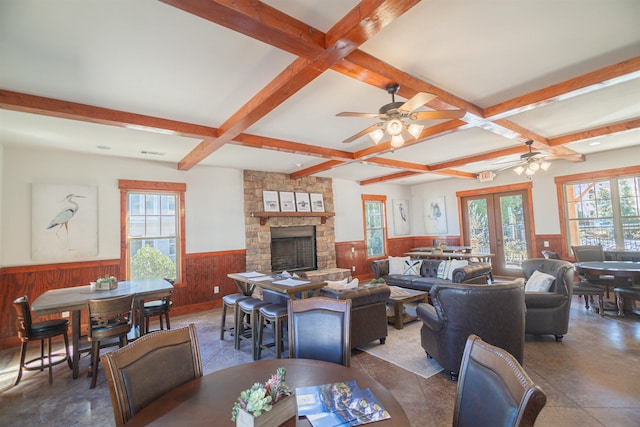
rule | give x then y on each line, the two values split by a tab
276	314
246	324
229	301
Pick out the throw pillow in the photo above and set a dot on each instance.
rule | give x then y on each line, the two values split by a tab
342	284
396	264
412	267
456	263
539	282
443	269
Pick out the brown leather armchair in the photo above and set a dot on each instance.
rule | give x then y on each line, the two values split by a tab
496	313
548	312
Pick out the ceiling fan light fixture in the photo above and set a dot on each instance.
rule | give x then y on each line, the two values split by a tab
415	130
397	141
534	166
529	172
518	170
395	127
545	166
376	135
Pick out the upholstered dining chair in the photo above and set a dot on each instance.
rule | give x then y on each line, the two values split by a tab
320	328
494	390
132	371
39	331
109	318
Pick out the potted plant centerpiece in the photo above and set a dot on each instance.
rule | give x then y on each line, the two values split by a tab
268	404
106	283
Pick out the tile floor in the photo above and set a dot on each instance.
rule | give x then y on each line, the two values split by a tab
592	378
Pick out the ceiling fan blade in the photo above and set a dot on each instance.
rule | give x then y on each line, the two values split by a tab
515	164
437	115
362	132
368	115
417	101
563	157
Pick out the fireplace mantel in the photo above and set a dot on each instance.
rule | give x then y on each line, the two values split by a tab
264	216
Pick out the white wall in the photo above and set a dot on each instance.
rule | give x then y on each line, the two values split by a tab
214	199
545	205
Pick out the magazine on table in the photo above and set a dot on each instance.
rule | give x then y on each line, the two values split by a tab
339	404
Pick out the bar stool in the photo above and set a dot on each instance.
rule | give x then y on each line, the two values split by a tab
229	301
160	308
246	325
276	314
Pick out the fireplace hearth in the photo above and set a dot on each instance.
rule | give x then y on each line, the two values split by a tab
293	248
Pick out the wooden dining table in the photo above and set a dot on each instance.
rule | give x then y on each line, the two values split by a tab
247	282
75	299
208	400
625	274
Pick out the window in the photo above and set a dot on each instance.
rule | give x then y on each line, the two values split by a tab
602	208
375	225
153	218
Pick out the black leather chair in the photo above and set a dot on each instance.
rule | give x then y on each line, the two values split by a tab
495	312
319	328
494	390
40	331
548	312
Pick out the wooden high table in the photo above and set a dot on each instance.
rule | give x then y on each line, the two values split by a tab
207	401
75	300
246	285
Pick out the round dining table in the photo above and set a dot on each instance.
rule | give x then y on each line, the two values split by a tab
625	274
208	400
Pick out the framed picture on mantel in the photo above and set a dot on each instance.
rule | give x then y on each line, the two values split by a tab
302	202
287	202
270	201
317	202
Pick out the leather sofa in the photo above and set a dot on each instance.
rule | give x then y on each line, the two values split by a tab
478	272
548	312
368	311
495	313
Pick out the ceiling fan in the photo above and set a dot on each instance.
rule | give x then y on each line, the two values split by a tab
394	114
533	161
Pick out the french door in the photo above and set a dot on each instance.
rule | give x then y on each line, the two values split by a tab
499	223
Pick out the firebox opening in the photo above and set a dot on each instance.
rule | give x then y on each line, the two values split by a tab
293	248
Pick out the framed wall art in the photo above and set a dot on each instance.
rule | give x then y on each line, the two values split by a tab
317	202
435	216
270	200
287	201
302	202
401	225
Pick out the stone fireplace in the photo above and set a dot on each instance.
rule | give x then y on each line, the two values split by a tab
293	248
259	237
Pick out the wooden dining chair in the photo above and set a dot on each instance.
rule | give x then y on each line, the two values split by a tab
109	319
494	390
149	367
586	253
320	328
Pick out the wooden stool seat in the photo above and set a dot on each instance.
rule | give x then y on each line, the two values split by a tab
625	293
588	291
276	314
229	301
158	308
246	324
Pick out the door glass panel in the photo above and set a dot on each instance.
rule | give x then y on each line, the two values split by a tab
478	226
513	231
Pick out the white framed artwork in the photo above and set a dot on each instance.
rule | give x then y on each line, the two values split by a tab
435	216
64	221
401	224
287	202
270	201
317	202
302	202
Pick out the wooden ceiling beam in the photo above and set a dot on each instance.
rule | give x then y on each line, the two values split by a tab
315	169
398	164
388	177
262	142
596	132
260	21
87	113
345	37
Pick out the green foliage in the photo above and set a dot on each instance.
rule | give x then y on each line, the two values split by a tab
150	263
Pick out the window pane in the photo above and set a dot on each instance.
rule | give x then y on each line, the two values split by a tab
168	203
153	259
374	224
168	226
136	226
375	246
136	204
153	204
153	225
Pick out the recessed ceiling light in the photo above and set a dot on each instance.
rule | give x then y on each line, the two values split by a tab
592	143
103	147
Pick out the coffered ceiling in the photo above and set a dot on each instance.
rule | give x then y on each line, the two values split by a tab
257	85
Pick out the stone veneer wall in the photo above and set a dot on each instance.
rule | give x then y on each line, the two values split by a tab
258	238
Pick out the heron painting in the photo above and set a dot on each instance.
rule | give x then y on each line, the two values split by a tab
401	223
64	221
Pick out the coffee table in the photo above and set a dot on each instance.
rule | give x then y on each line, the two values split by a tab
398	298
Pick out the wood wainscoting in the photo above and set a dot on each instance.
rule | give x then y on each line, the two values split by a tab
204	271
